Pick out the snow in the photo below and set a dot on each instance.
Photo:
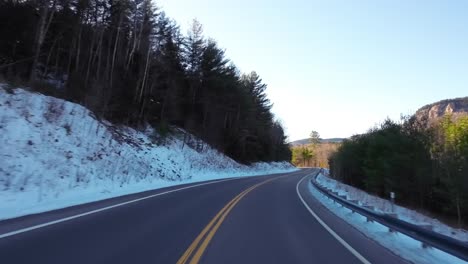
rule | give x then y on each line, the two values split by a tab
400	244
385	206
56	154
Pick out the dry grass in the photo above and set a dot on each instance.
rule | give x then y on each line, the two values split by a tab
321	153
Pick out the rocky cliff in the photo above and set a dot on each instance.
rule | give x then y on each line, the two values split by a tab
433	112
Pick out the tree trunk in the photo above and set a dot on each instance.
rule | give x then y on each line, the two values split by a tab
145	74
115	51
98	55
39	39
90	56
78	49
48	59
44	23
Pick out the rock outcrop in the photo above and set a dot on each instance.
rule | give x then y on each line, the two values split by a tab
433	112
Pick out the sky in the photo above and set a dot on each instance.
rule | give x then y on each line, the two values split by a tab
340	67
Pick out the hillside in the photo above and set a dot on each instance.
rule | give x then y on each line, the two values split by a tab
56	153
131	64
434	111
306	141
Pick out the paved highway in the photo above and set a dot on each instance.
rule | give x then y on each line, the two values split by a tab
263	219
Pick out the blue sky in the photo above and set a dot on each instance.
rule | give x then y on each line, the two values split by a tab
340	66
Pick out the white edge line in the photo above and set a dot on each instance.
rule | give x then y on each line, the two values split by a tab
335	235
12	233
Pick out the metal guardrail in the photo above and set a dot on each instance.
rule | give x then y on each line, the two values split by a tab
427	237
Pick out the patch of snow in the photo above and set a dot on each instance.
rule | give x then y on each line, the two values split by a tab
55	154
385	206
400	244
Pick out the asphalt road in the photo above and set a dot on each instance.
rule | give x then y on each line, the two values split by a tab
248	220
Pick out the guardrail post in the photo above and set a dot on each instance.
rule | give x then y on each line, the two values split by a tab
355	202
342	197
429	227
370	207
424	245
335	193
392	215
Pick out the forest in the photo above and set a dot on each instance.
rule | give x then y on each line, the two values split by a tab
426	166
130	64
315	153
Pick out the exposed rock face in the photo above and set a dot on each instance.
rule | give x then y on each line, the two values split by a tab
433	112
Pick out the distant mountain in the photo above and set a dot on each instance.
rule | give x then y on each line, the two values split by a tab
323	140
428	114
432	112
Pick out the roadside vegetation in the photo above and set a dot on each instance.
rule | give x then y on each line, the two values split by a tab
314	154
426	166
130	64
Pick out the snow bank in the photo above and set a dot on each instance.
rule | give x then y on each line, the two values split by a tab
385	206
398	243
55	154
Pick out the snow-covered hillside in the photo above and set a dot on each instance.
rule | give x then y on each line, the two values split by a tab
55	154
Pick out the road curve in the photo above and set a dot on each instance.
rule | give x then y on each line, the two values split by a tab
258	219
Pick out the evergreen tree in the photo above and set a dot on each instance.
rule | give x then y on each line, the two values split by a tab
129	63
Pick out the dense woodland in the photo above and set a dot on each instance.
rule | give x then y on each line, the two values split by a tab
129	63
426	166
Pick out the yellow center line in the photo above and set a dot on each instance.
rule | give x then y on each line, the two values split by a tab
214	224
195	243
196	257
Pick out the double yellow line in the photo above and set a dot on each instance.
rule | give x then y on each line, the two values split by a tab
209	231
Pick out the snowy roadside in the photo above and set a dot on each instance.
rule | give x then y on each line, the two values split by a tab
56	154
385	206
400	244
